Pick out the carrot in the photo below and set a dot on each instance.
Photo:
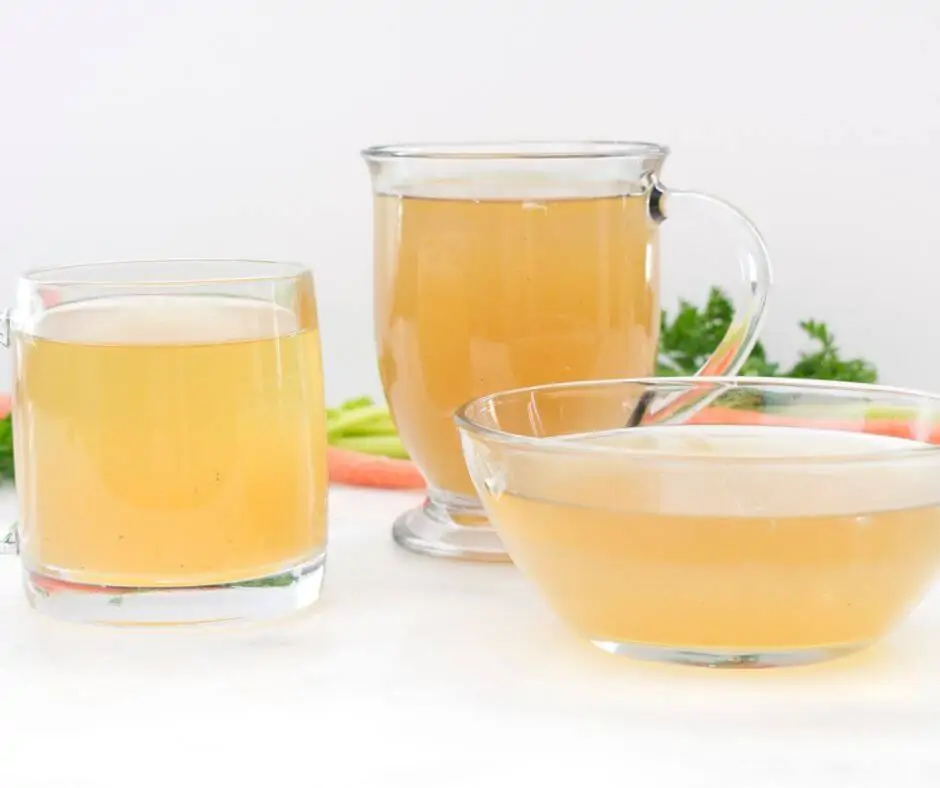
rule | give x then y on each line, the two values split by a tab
49	298
50	585
892	428
5	405
370	470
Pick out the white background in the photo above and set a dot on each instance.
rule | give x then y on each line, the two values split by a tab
232	128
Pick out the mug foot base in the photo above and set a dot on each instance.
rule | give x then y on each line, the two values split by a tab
719	658
274	596
449	526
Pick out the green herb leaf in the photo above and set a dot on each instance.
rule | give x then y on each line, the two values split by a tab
692	335
278	581
6	449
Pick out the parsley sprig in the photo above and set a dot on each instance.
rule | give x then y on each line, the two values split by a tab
689	338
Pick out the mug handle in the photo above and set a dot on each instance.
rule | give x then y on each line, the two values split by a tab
741	336
753	261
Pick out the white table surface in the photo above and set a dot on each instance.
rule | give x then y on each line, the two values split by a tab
420	672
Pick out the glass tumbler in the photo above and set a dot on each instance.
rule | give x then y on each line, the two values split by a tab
169	440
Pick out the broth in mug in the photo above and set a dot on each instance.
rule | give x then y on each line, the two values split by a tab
474	296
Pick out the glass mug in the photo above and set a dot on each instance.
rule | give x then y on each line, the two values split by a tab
505	265
169	440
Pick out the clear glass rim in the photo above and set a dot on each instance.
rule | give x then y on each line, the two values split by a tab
517	149
563	444
104	273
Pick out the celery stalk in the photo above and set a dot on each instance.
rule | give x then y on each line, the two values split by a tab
349	419
379	425
384	445
358	402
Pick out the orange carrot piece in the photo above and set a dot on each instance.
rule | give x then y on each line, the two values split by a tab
887	427
49	298
51	584
368	470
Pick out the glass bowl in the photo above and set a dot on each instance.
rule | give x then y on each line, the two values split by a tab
715	521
